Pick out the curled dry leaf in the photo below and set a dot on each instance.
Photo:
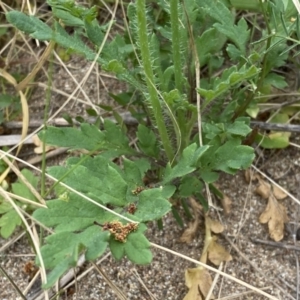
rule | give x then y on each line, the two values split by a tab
199	281
217	253
196	206
214	225
225	201
264	189
39	145
278	193
275	215
250	175
247	175
189	234
226	204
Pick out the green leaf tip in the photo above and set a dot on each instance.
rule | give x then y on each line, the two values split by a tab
186	164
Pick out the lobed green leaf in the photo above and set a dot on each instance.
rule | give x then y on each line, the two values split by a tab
72	215
8	222
30	25
186	164
136	248
152	205
147	141
10	219
211	41
239	34
62	250
108	187
231	157
229	78
89	137
21	189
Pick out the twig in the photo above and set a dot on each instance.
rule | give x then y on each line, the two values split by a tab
297	277
295	254
292	287
275	126
24	180
126	116
281	105
38	159
118	292
65	282
12	283
276	184
136	274
32	236
10	242
37	293
253	288
129	120
254	266
276	244
209	294
241	294
13	139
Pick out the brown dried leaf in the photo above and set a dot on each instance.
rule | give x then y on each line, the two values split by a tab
217	253
247	175
264	189
250	175
189	234
275	215
225	201
199	281
196	206
214	225
278	193
226	204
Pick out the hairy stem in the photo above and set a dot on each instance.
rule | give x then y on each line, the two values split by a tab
176	44
147	66
176	40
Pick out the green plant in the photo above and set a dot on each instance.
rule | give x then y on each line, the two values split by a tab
10	107
9	218
163	54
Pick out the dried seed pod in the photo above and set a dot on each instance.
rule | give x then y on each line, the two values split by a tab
131	208
138	190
